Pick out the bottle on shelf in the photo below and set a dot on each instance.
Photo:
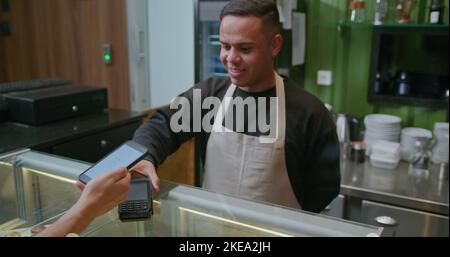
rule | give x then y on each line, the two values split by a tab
357	10
404	9
378	84
404	86
436	13
381	12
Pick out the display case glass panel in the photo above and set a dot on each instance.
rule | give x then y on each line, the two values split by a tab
38	188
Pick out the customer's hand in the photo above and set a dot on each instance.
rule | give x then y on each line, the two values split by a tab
99	196
147	168
103	193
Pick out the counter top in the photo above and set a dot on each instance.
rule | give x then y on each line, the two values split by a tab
399	187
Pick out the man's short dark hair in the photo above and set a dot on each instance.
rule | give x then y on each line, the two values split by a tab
265	9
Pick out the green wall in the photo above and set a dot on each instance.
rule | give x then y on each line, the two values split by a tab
347	53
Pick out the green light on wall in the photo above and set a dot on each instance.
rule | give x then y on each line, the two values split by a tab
107	54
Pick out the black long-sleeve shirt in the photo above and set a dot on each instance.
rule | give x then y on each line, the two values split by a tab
311	144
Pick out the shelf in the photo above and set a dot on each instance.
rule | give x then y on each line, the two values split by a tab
393	25
404	100
220	74
215	43
413	26
341	25
351	25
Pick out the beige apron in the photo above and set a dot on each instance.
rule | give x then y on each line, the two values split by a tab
241	165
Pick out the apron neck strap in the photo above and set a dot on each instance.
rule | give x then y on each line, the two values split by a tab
280	113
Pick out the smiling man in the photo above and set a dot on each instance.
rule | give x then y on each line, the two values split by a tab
299	168
249	47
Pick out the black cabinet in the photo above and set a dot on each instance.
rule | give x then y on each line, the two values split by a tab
93	147
86	138
409	65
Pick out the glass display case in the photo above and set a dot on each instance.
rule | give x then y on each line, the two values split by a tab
36	189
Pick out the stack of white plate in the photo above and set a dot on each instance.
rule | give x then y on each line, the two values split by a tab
381	127
440	150
408	141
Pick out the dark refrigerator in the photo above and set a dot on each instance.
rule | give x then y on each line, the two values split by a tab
207	42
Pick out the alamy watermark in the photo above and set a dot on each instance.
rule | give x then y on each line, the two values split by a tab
181	120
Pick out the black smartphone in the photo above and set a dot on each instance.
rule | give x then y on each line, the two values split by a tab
139	203
126	155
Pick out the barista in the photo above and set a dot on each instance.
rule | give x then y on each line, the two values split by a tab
300	168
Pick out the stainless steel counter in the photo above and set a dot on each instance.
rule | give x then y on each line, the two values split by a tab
399	187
